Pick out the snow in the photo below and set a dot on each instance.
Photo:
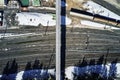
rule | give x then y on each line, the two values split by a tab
51	71
97	25
100	69
43	73
19	75
35	19
69	72
118	70
98	9
103	70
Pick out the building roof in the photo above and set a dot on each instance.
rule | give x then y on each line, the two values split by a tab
36	3
1	3
24	2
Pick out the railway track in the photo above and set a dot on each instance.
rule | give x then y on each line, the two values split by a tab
41	46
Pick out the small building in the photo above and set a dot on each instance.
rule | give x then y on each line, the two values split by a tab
24	3
36	2
2	3
13	4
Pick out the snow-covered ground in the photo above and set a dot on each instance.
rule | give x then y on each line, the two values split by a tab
36	19
97	25
95	8
43	73
104	70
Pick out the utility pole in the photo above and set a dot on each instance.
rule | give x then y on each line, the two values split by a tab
60	39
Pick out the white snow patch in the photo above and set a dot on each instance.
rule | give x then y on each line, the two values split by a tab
35	19
118	70
97	25
51	71
69	72
19	75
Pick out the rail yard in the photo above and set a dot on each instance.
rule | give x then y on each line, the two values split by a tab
26	44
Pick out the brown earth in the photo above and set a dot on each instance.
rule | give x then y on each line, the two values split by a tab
75	4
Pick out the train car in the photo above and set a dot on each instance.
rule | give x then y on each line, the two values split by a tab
104	19
81	14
